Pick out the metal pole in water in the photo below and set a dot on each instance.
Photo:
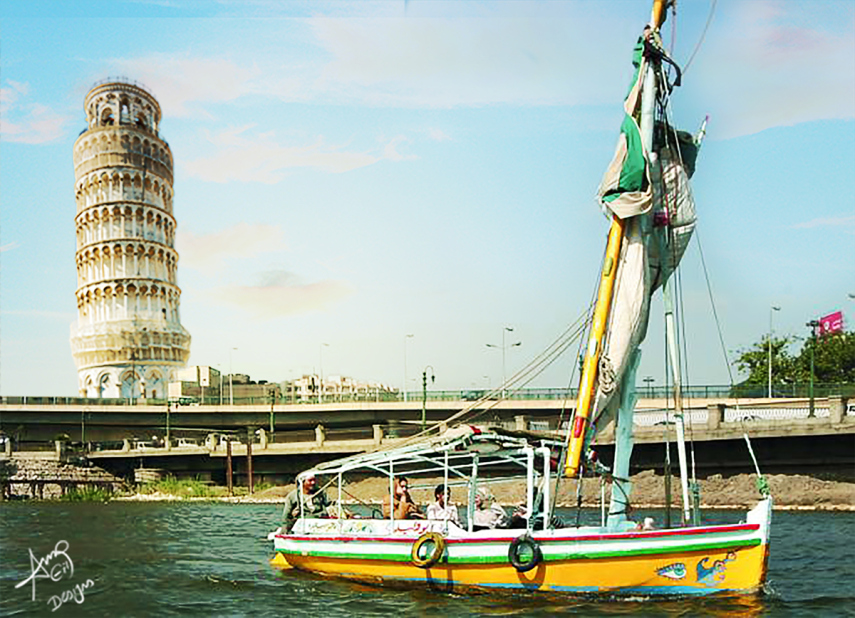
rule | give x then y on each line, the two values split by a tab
229	464
249	458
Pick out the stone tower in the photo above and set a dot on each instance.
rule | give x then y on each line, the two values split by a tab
128	337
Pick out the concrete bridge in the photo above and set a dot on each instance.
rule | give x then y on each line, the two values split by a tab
785	435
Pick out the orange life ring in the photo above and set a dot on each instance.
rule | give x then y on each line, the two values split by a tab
428	549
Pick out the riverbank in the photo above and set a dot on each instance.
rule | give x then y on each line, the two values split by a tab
55	480
790	492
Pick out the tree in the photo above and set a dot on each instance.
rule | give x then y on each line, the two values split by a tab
755	362
834	360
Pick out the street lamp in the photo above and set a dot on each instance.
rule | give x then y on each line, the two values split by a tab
772	310
231	391
648	381
321	376
504	347
405	365
272	404
424	391
813	324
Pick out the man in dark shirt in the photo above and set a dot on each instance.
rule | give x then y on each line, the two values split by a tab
314	504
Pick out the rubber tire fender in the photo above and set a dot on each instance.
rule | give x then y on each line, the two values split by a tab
516	548
434	556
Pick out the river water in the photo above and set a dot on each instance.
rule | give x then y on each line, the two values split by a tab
211	559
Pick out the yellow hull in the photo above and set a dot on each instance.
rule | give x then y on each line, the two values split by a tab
702	572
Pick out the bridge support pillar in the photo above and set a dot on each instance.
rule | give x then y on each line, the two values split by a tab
59	445
320	435
836	408
262	439
126	445
520	423
716	415
378	434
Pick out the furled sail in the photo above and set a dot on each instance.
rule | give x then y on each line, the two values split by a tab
650	191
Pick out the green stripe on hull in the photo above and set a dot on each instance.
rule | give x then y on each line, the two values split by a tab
643	551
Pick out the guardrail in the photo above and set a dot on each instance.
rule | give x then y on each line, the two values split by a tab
652	392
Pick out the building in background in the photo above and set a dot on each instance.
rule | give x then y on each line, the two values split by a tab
206	385
128	338
334	388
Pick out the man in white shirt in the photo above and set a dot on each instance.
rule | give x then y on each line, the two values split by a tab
439	509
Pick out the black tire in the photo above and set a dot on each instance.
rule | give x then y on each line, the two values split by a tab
524	545
428	550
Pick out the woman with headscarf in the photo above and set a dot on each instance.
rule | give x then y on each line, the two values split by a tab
487	513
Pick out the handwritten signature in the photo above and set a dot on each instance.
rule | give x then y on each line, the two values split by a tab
56	565
72	594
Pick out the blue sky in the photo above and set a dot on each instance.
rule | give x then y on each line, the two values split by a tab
351	173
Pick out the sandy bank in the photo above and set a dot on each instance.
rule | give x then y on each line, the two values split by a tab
790	492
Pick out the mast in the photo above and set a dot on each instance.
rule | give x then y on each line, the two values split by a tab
588	386
602	309
671	337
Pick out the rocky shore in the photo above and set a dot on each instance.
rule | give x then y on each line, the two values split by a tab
51	479
790	492
44	478
796	492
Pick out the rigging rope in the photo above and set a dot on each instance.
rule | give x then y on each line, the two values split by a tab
703	36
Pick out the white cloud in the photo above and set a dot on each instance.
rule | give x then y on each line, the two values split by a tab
778	64
438	135
458	62
9	246
209	252
280	293
183	83
247	157
38	313
844	223
27	123
390	151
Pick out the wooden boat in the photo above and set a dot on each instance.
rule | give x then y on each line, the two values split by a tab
542	556
646	196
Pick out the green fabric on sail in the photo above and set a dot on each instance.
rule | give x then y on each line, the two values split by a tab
632	172
625	188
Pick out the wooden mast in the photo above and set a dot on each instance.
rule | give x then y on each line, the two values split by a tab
588	381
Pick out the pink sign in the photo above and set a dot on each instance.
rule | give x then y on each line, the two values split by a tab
831	323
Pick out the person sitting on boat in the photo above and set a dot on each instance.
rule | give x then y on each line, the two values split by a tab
404	505
439	509
315	503
487	513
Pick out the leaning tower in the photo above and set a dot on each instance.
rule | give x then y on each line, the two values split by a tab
128	337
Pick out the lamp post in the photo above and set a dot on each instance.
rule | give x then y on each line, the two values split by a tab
231	391
813	324
272	403
424	392
648	381
168	433
406	337
503	347
772	310
321	376
133	373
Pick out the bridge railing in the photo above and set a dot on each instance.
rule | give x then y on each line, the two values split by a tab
746	391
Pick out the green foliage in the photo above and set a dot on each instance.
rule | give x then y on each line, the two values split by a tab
87	494
262	486
174	487
834	360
